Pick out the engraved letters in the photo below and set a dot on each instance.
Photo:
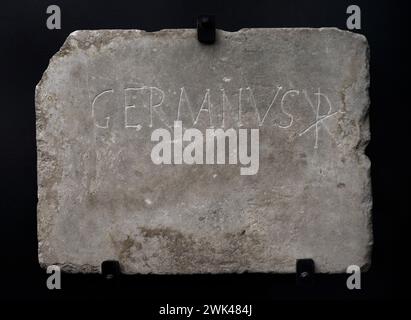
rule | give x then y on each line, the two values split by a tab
218	108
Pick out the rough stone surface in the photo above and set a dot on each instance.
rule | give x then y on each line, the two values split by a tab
101	197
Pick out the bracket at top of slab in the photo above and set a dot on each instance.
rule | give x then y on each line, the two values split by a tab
206	29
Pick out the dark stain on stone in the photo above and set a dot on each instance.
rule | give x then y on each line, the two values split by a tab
186	252
167	233
125	247
180	247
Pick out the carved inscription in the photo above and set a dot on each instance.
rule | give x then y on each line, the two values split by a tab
214	109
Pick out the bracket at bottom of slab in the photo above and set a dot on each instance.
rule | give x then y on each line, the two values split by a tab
110	269
305	269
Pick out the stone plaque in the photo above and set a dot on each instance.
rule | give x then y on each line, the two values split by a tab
171	156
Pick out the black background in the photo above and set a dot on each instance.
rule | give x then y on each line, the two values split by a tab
26	47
